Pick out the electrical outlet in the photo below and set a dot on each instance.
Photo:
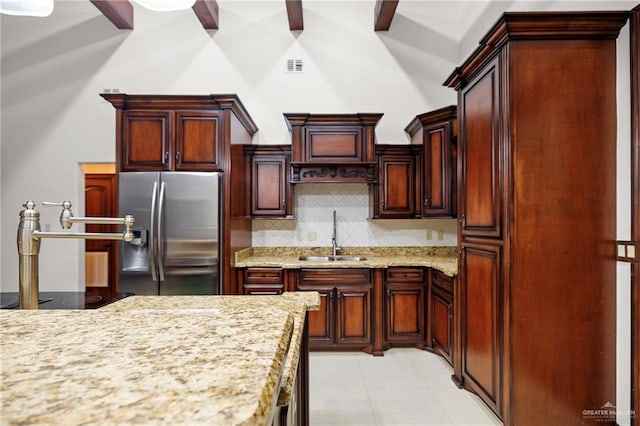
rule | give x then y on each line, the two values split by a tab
440	234
298	235
429	234
312	236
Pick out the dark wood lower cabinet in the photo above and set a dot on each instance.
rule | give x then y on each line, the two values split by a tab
262	281
481	322
442	323
405	302
344	319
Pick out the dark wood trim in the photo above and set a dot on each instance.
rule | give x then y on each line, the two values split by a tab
537	26
303	366
378	312
119	12
294	14
635	210
383	15
207	13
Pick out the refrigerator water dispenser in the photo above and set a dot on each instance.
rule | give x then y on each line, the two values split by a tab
135	254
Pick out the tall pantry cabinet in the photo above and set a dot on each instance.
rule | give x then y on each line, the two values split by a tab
537	223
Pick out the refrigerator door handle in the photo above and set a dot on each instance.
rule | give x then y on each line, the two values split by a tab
152	236
160	236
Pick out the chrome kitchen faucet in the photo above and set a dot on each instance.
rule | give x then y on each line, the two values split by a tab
334	243
29	236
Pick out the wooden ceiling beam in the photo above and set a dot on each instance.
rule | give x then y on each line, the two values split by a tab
383	15
119	12
207	13
294	13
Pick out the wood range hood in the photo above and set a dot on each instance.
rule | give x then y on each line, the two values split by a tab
332	148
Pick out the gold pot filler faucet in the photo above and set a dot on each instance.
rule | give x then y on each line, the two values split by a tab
29	236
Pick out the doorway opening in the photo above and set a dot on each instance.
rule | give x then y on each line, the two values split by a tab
101	261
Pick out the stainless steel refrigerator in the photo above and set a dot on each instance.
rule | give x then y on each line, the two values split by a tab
177	233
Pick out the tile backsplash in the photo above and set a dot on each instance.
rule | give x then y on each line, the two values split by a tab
312	226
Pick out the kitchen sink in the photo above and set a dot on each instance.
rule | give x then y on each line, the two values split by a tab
350	258
332	258
317	258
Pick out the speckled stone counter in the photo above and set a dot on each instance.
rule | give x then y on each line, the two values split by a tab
219	363
297	304
443	259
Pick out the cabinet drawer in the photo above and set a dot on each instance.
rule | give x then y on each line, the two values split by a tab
403	275
263	289
335	276
441	280
263	276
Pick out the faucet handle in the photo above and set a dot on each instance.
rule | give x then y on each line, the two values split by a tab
65	215
64	204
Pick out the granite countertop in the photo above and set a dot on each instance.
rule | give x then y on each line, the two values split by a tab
296	303
219	361
443	259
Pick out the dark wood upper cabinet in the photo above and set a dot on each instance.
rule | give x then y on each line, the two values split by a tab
332	147
171	140
481	200
201	133
537	146
394	196
268	168
197	145
436	131
180	133
146	140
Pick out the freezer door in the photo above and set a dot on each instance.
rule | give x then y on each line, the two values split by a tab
188	233
138	194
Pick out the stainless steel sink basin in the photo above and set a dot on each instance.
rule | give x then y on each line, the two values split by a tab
332	258
317	258
351	258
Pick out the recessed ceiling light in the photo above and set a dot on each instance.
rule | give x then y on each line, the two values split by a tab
26	7
166	5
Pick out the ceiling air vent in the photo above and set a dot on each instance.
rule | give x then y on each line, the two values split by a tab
294	66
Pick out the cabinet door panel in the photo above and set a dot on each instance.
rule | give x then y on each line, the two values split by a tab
481	320
442	323
481	204
146	137
438	173
321	324
197	140
327	144
353	316
405	313
397	190
268	182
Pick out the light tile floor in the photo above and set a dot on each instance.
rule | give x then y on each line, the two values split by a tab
405	387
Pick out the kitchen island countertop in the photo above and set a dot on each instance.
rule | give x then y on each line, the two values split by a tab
220	362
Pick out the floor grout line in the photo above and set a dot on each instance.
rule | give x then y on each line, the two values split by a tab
407	362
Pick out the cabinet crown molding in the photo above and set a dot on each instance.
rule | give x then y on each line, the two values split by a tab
357	119
123	101
514	26
431	117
